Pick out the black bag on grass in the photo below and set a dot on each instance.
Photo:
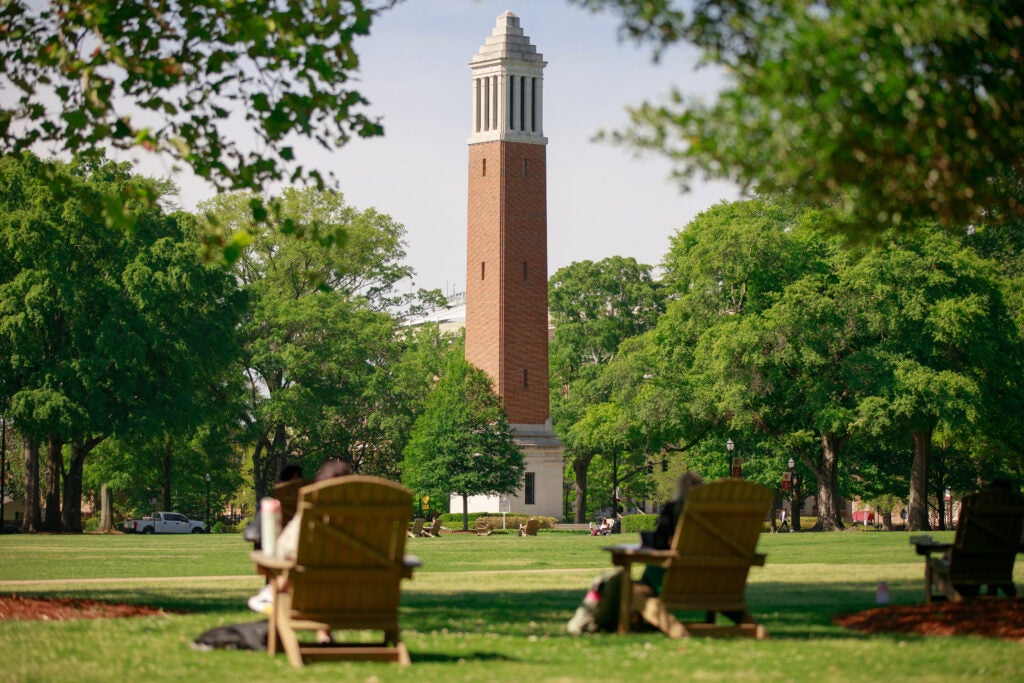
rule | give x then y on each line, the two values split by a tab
249	636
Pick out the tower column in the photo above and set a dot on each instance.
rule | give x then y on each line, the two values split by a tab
506	256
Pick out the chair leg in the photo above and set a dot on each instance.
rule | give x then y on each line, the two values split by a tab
655	614
289	640
272	635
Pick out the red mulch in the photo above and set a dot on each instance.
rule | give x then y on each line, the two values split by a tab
989	618
61	609
983	617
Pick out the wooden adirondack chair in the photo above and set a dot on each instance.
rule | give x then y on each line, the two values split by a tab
707	565
983	552
482	527
416	529
288	493
347	571
434	531
530	528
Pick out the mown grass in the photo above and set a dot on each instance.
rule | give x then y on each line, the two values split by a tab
480	609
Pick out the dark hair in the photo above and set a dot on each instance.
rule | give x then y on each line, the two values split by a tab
290	471
333	468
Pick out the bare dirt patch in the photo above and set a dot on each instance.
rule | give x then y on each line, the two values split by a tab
13	607
993	618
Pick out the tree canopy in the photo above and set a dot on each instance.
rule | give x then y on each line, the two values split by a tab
315	335
103	331
595	307
178	77
890	111
462	444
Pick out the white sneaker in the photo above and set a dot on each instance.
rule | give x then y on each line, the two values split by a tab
262	602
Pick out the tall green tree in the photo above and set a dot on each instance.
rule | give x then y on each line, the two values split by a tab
105	331
316	333
397	396
179	77
728	263
948	349
903	110
594	307
462	444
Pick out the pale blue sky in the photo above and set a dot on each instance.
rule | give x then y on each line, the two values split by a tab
601	200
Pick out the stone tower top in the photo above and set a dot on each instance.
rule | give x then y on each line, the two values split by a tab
507	42
508	86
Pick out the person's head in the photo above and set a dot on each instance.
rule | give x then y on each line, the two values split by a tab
332	468
688	481
289	472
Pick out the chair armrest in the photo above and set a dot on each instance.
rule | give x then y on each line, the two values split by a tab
924	545
411	561
625	555
273	564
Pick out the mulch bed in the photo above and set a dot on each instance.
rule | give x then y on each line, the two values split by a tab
13	607
991	618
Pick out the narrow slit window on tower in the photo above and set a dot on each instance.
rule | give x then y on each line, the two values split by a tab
483	167
477	103
524	270
487	102
526	378
533	105
483	269
511	109
495	92
522	103
524	167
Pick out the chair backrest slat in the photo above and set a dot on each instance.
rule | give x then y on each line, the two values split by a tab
718	530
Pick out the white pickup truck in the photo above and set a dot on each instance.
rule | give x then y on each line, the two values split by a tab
164	523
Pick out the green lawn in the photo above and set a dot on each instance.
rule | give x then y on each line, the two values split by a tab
480	609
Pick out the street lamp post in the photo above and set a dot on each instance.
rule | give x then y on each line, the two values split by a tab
735	465
207	502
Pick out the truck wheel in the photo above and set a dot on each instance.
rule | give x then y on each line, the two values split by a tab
148	530
197	530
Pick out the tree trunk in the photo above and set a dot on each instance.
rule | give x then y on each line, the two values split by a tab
580	468
33	520
51	492
275	457
917	516
259	470
465	512
3	467
72	514
165	474
829	517
887	520
106	525
797	504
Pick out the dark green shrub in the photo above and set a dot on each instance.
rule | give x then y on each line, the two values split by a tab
222	527
634	524
453	520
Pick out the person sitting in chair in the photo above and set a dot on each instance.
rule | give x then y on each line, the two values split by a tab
288	542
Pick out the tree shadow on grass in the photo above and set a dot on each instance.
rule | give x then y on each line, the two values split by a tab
499	612
437	658
787	610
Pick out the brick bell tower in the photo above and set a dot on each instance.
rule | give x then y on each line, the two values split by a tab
506	261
